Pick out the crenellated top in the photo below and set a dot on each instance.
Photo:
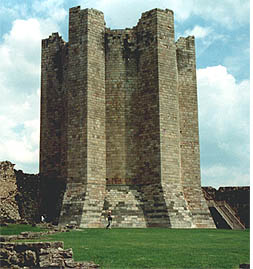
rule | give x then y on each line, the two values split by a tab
152	24
187	43
186	61
78	9
156	11
54	38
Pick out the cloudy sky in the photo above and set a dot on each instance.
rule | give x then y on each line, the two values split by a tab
221	29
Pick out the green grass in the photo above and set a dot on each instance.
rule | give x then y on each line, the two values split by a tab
158	248
14	229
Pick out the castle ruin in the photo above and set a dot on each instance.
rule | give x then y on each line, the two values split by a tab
119	123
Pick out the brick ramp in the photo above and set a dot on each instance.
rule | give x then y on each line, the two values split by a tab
227	213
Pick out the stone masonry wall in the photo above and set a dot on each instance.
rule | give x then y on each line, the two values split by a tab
83	200
54	61
116	88
133	68
169	122
189	131
147	103
96	144
76	136
53	129
117	114
126	203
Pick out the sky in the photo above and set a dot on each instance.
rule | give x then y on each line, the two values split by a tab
221	30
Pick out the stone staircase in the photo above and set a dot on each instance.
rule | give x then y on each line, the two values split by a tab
227	213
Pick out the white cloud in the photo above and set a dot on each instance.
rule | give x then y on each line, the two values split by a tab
220	95
229	13
224	126
198	31
52	8
221	176
21	47
19	139
20	53
20	79
205	37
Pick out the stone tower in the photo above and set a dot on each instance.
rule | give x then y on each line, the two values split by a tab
119	123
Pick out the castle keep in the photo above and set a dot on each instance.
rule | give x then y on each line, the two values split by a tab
119	124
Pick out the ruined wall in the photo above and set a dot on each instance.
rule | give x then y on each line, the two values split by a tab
8	191
27	196
19	195
39	255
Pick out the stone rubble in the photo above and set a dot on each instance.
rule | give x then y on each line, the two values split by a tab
39	255
33	235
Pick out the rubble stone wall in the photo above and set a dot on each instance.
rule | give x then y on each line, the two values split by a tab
25	197
39	255
8	190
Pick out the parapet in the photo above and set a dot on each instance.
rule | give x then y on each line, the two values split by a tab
155	11
186	42
78	9
55	37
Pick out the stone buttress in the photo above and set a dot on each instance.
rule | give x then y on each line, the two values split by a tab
119	123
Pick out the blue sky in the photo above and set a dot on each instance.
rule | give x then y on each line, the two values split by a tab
221	29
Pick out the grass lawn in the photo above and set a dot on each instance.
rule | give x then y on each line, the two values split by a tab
14	229
158	248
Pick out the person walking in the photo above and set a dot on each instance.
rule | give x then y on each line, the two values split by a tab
109	217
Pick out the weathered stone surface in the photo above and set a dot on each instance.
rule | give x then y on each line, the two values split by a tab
120	107
30	258
39	255
9	207
28	196
33	235
25	197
